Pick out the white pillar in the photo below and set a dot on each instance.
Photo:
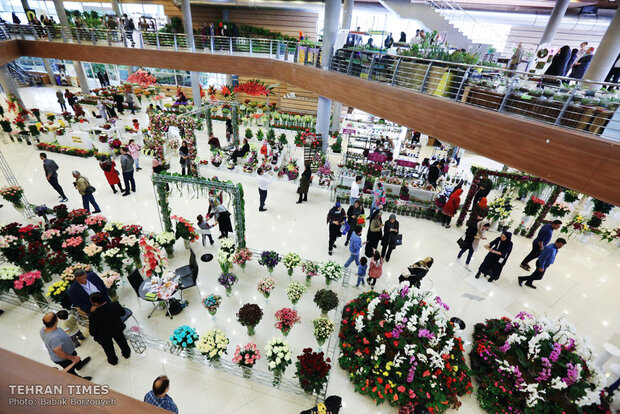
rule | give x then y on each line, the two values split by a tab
189	31
50	72
607	53
347	14
116	8
554	21
322	119
9	86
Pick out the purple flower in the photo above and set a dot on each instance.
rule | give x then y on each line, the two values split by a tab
522	315
555	354
404	291
572	374
384	296
425	333
504	348
440	303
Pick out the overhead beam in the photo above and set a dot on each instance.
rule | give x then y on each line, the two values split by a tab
570	158
9	51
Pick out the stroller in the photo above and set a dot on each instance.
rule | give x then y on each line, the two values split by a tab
416	272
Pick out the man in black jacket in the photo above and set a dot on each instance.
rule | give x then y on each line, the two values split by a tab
105	325
83	286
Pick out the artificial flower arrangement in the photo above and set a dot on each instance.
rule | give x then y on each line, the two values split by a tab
111	280
278	355
249	315
184	337
8	274
57	291
226	254
323	328
294	291
265	286
559	209
241	257
96	223
331	271
529	364
399	347
533	205
291	261
310	269
312	370
499	209
269	259
326	300
213	345
286	318
13	194
184	229
247	356
154	261
28	284
212	303
227	280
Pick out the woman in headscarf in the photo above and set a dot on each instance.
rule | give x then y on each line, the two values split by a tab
558	65
499	250
378	198
353	213
373	235
221	215
449	209
335	219
390	232
416	272
304	183
479	211
571	60
473	235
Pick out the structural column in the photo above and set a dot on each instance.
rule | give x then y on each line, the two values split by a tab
330	31
189	31
9	86
79	70
607	53
116	8
554	21
347	17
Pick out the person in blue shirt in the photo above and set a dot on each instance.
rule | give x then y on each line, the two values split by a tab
159	397
361	272
546	259
355	244
539	243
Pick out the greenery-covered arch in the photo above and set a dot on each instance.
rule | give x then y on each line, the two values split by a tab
159	125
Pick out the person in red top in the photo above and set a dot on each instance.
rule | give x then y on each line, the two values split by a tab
111	173
449	209
375	270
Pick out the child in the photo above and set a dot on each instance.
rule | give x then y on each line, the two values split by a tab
361	271
69	324
204	226
134	151
376	269
136	124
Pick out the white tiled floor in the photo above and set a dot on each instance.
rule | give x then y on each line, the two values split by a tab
582	284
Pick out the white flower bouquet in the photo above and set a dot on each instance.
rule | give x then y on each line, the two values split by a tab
278	355
332	271
294	292
323	328
291	261
213	344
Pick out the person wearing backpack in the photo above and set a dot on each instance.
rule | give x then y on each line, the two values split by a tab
111	173
86	191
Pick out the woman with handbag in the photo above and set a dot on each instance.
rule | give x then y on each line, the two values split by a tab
374	233
390	236
473	235
499	250
304	184
86	191
111	173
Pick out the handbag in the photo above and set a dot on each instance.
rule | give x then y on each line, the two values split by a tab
344	228
89	189
398	240
461	242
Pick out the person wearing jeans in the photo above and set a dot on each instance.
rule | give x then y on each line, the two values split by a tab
354	247
51	173
86	191
127	167
355	190
473	235
355	210
546	259
361	272
540	242
263	183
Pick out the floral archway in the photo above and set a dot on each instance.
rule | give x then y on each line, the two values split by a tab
159	126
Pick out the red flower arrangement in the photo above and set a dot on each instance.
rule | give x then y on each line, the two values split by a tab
101	239
142	78
185	229
78	216
134	229
253	87
30	233
225	91
310	139
533	205
312	370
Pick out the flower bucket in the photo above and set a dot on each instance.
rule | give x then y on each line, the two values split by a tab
186	243
19	207
229	292
251	330
170	251
308	280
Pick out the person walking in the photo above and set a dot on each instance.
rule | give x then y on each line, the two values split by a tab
390	235
375	270
335	219
205	230
479	211
353	213
450	208
103	113
129	29
111	173
378	198
499	250
60	346
184	157
86	191
355	190
134	151
130	102
51	174
304	183
221	216
105	324
127	163
361	272
355	247
540	242
159	397
118	100
61	100
580	67
473	235
374	233
83	286
546	259
263	181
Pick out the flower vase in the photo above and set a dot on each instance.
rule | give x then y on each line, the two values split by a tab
247	372
290	274
19	207
229	292
251	330
328	281
320	342
585	236
270	269
170	251
294	302
277	377
242	266
113	294
266	295
285	331
323	314
308	280
186	243
216	363
40	300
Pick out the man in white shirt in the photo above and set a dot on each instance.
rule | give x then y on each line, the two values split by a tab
263	181
355	190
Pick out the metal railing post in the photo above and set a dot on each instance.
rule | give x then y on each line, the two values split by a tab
372	63
157	40
462	84
34	33
428	70
122	32
212	44
93	37
109	37
506	95
77	35
250	46
350	66
141	40
286	52
49	34
396	71
278	50
175	41
230	44
270	49
565	106
21	31
62	34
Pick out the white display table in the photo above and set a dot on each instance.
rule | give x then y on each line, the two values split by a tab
76	139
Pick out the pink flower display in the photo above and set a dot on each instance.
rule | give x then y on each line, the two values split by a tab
246	356
155	262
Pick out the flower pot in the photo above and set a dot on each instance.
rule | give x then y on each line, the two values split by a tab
285	331
186	243
290	273
216	363
251	330
270	269
277	378
242	266
328	282
229	292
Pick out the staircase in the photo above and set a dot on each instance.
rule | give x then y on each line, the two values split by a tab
22	77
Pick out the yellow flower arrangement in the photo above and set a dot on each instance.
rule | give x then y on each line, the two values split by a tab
57	290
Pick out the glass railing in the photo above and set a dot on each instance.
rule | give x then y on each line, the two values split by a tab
589	107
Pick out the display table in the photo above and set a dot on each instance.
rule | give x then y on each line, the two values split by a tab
377	157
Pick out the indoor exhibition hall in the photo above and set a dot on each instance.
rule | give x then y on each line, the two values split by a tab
314	206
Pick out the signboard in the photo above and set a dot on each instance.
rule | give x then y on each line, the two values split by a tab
348	131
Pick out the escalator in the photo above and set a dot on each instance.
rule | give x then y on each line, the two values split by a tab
22	77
